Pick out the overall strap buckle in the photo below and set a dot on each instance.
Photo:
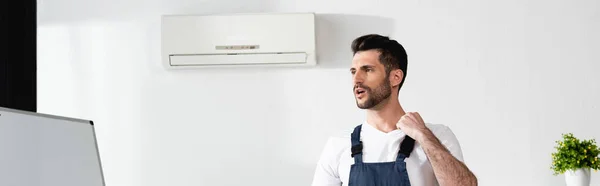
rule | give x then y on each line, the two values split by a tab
357	149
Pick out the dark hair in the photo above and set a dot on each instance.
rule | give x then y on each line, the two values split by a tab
393	56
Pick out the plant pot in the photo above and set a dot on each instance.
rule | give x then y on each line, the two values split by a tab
578	177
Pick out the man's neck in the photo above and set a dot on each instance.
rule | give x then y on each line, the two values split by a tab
385	117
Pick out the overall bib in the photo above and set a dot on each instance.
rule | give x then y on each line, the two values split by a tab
379	174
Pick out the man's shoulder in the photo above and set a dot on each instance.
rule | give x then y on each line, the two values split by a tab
337	145
344	134
341	138
442	132
447	137
437	128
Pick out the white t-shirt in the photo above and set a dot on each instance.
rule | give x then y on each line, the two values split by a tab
333	167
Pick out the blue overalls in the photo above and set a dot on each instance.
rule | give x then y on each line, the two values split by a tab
381	173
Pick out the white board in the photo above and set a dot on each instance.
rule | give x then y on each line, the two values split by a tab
45	150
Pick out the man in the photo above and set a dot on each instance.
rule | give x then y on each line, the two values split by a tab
392	147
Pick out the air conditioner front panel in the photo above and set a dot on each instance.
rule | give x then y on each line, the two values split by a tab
267	33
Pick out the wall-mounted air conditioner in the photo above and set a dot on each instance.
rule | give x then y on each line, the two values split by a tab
261	39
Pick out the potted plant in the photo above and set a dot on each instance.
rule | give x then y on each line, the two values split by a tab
575	158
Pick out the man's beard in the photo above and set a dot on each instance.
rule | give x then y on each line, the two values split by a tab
376	96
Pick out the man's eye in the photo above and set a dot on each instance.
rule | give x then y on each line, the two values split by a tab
369	70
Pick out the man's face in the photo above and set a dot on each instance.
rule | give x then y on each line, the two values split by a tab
371	84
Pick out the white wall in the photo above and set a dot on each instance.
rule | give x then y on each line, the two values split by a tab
507	76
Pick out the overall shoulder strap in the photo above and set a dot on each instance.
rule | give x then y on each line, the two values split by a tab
406	147
356	145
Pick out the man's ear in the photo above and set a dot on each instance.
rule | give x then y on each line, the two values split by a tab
396	77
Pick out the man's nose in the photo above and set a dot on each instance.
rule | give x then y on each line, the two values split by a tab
358	78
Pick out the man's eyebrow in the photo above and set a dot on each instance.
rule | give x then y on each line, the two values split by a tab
367	66
363	67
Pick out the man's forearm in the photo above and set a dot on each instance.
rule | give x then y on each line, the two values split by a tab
448	170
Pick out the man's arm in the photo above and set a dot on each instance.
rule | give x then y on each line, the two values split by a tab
326	172
448	170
